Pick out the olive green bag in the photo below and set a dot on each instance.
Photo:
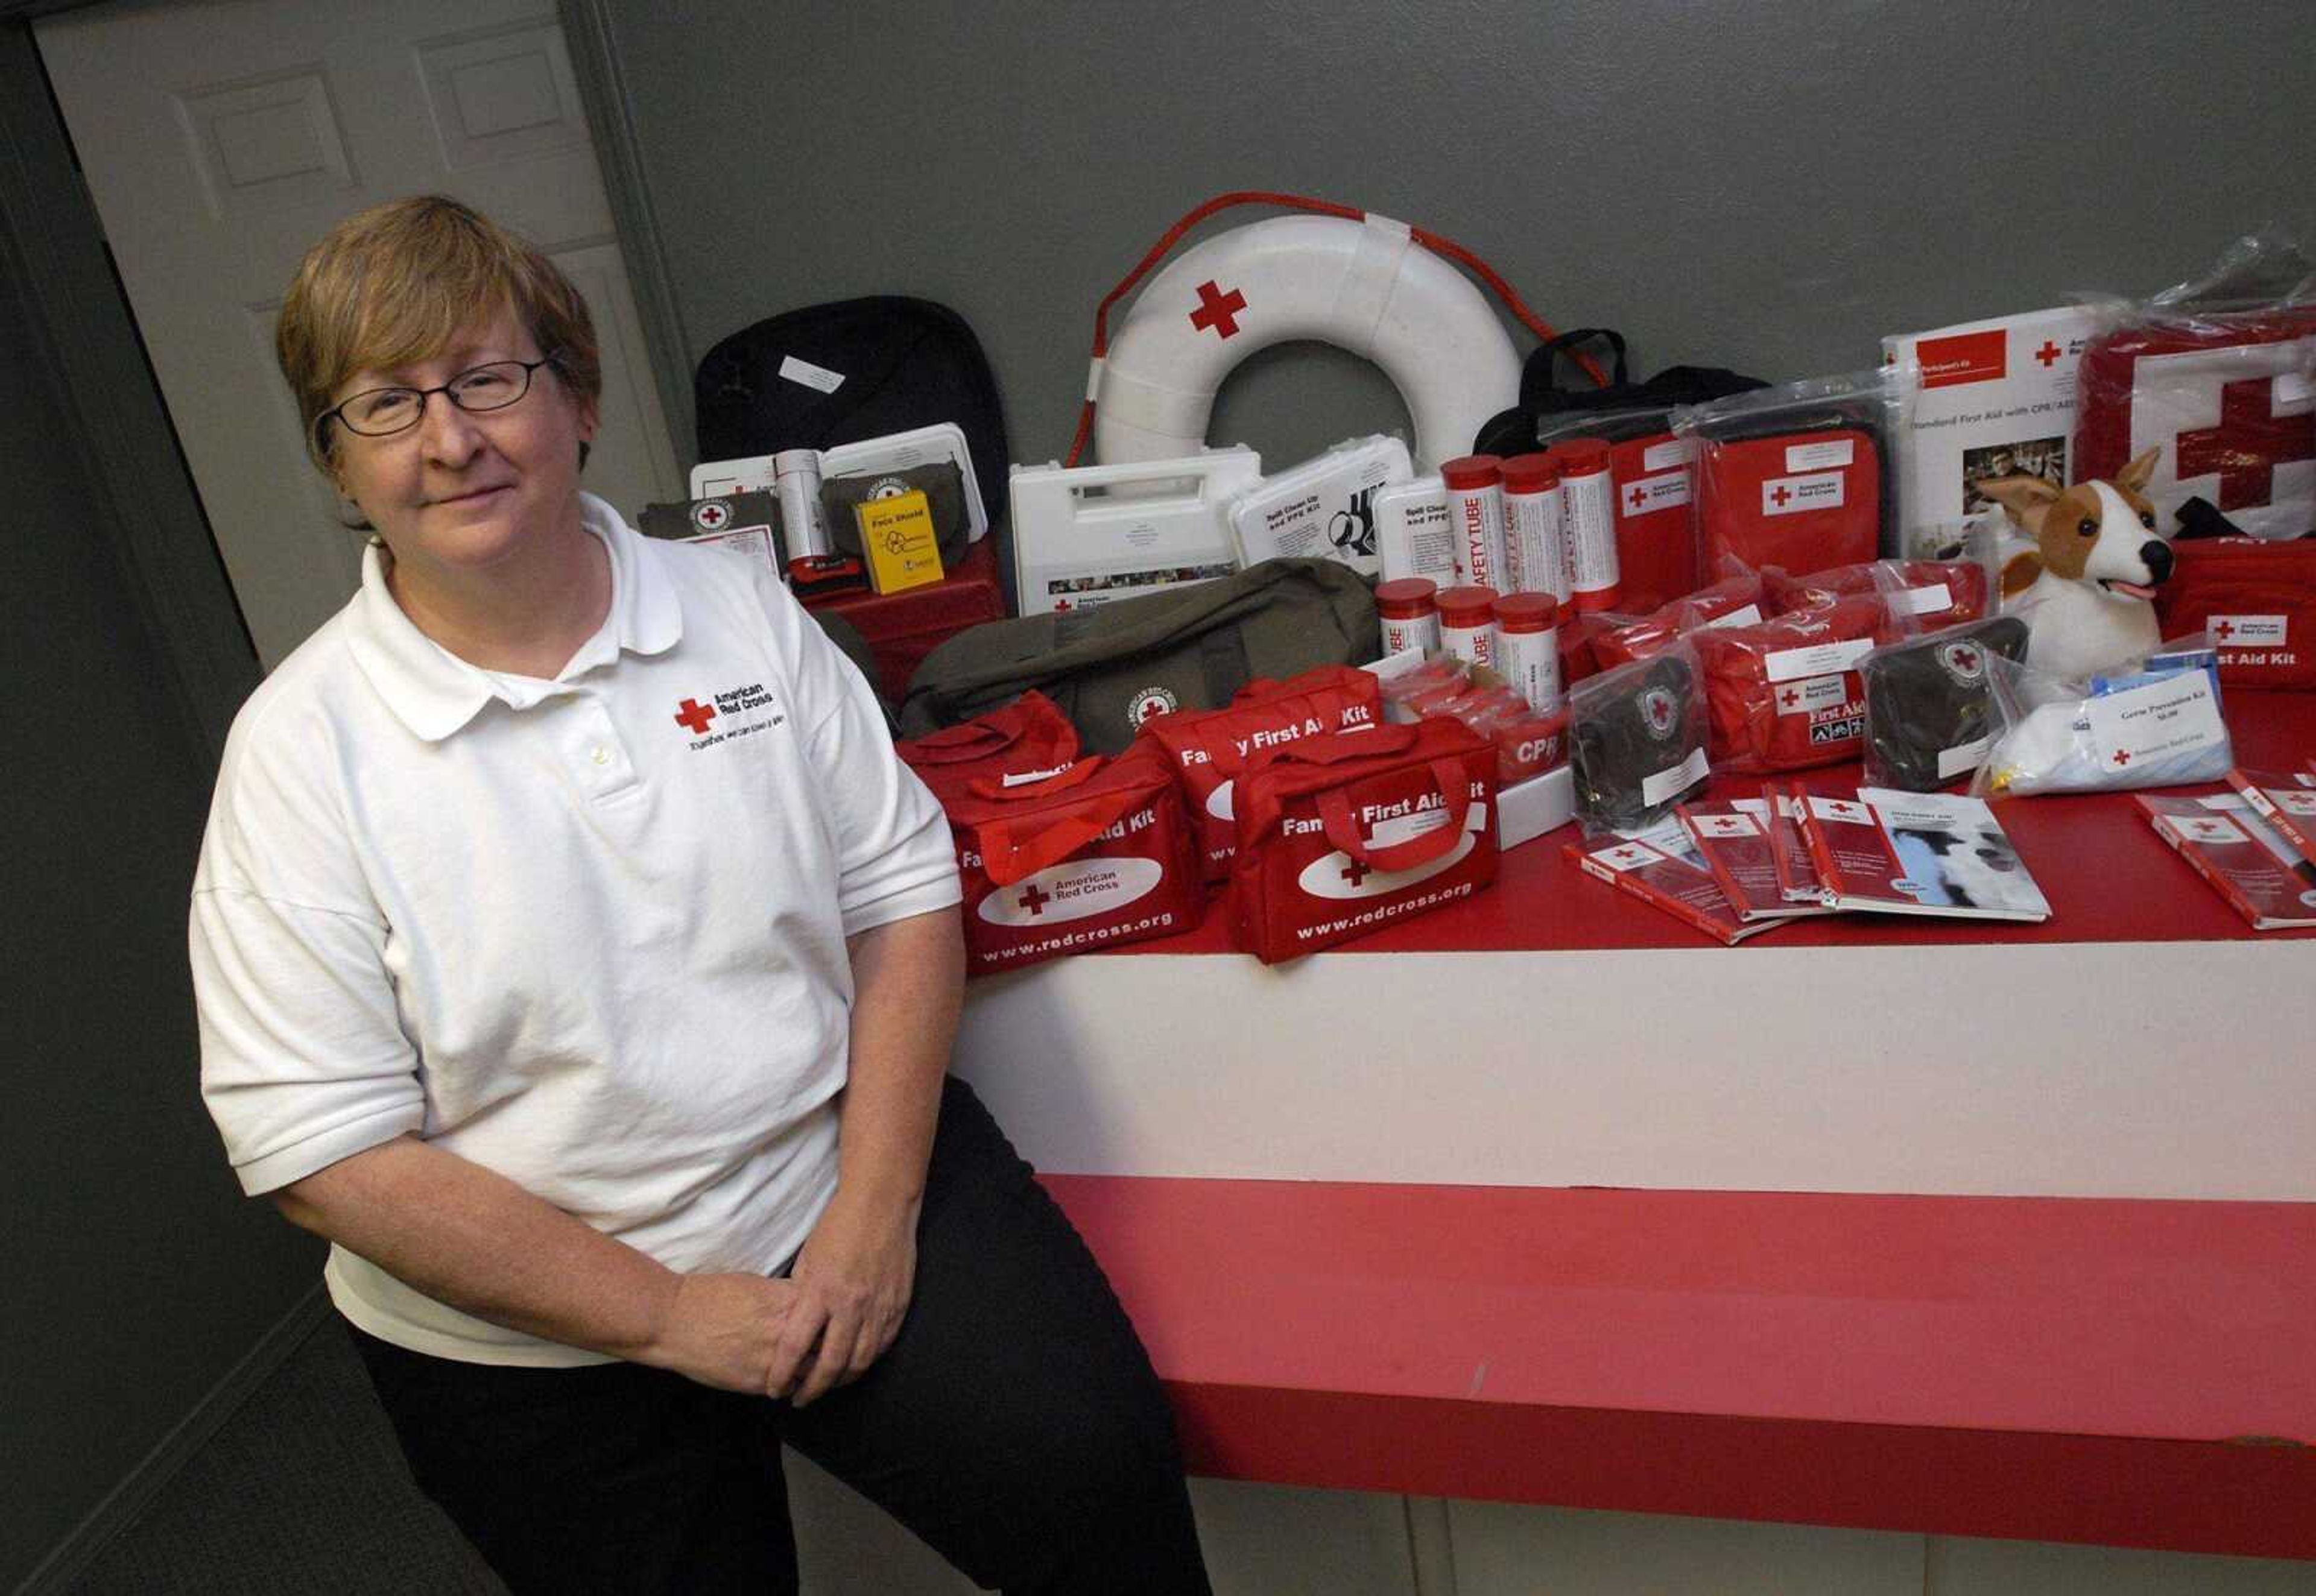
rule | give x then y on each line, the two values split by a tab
1117	665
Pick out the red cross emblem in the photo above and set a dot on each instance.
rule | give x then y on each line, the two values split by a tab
1060	605
1639	498
2250	442
1789	698
2049	354
1782	497
711	516
2224	630
2123	756
1965	660
1218	311
1152	708
1355	872
1848	812
1035	901
1628	855
694	715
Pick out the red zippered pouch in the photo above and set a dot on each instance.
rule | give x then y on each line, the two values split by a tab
2256	598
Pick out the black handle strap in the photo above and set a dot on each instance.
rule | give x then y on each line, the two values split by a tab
1536	375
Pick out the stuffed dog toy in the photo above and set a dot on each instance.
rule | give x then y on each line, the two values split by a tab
2084	589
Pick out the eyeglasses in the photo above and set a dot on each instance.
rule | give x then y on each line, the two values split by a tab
381	412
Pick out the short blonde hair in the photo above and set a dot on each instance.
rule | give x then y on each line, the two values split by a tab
395	283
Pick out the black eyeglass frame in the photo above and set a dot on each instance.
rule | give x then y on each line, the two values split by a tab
335	411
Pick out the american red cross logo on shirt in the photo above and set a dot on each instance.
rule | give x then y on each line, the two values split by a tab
2048	354
1782	497
1035	901
694	715
1217	312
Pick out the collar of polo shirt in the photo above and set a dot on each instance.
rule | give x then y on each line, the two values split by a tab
434	692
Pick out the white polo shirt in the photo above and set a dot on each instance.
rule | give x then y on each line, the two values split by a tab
587	933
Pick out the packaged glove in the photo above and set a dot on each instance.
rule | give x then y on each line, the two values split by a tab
1737	601
1924	594
1786	695
1637	741
1929	703
2156	724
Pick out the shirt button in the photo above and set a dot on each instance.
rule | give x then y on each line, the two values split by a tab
602	756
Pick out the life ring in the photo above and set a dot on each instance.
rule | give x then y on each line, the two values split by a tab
1369	286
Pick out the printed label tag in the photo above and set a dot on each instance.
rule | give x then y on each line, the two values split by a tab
1726	825
1396	828
1791	495
1023	778
1665	455
2205	828
1819	692
1655	789
1937	596
811	376
2291	389
1647	494
1625	856
2162	719
1822	659
1961	758
1840	808
1820	456
1749	615
2248	631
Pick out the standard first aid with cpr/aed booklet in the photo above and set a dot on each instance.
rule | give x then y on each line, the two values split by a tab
2262	876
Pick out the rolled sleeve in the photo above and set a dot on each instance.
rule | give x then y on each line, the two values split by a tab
302	1057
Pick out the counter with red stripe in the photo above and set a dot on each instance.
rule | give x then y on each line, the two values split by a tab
1545	1198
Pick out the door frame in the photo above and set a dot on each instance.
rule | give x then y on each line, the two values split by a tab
150	514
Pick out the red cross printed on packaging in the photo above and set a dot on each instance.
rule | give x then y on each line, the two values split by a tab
1782	497
1848	812
1627	855
1035	901
2248	444
2049	354
1060	605
1965	660
2123	756
1789	698
1217	312
711	516
694	715
1639	498
1355	872
2224	630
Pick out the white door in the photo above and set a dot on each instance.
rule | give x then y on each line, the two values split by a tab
222	140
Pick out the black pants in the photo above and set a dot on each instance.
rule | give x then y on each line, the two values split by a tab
1015	1425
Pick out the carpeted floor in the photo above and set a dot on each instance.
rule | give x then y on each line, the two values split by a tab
302	1490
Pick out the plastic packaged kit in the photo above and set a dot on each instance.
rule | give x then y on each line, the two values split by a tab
1923	594
1786	695
1795	476
1929	703
1739	600
1322	508
1637	741
2219	373
1414	534
2156	723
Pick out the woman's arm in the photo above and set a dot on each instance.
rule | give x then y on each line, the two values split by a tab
468	1236
855	1272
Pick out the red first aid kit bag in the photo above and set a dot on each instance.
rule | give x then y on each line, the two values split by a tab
1936	593
1798	501
1095	856
1342	833
1656	532
1208	747
1786	695
2228	400
2256	599
1029	737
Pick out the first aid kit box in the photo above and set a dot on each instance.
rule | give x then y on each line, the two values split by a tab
1321	509
1083	536
944	441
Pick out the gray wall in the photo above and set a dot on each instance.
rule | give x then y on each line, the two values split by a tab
136	1275
1770	187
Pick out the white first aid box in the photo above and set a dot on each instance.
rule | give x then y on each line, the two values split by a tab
1086	535
1995	398
1321	509
868	456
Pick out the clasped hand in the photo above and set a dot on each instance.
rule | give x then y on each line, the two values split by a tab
799	1337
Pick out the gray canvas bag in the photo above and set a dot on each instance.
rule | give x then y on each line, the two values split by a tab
1112	667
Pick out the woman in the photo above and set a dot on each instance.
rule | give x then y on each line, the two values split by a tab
574	954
